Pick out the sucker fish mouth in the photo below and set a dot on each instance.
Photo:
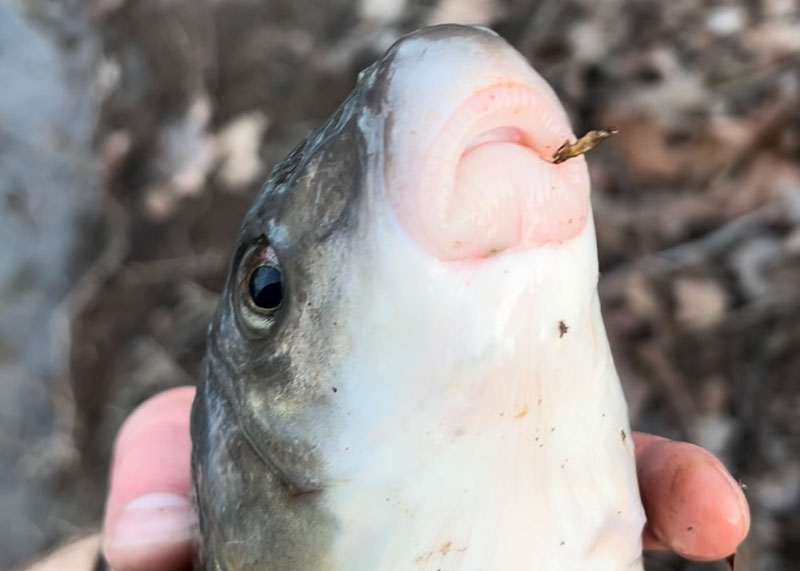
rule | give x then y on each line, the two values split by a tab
470	168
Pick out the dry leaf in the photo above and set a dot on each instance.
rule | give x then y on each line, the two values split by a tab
583	145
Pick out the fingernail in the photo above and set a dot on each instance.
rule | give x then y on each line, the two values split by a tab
153	519
739	516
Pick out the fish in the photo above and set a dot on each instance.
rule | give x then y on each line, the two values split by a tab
408	367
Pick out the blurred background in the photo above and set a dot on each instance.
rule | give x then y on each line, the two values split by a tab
133	135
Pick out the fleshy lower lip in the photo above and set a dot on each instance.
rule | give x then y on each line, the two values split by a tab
490	165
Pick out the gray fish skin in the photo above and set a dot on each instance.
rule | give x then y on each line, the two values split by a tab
290	412
258	504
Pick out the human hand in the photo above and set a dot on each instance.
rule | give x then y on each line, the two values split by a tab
694	507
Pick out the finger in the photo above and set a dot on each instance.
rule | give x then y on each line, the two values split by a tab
693	505
81	554
150	521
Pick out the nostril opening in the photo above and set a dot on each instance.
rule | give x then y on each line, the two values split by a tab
506	134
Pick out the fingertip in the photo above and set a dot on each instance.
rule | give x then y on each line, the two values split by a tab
694	507
150	521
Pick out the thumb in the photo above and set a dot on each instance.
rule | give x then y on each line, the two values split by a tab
150	520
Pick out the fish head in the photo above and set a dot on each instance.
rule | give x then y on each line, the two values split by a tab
410	340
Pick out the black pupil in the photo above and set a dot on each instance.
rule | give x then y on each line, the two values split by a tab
266	287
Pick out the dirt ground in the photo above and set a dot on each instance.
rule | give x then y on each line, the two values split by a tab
697	207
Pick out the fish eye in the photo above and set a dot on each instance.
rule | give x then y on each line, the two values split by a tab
265	286
262	289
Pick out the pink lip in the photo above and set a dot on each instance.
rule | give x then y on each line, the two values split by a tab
487	184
